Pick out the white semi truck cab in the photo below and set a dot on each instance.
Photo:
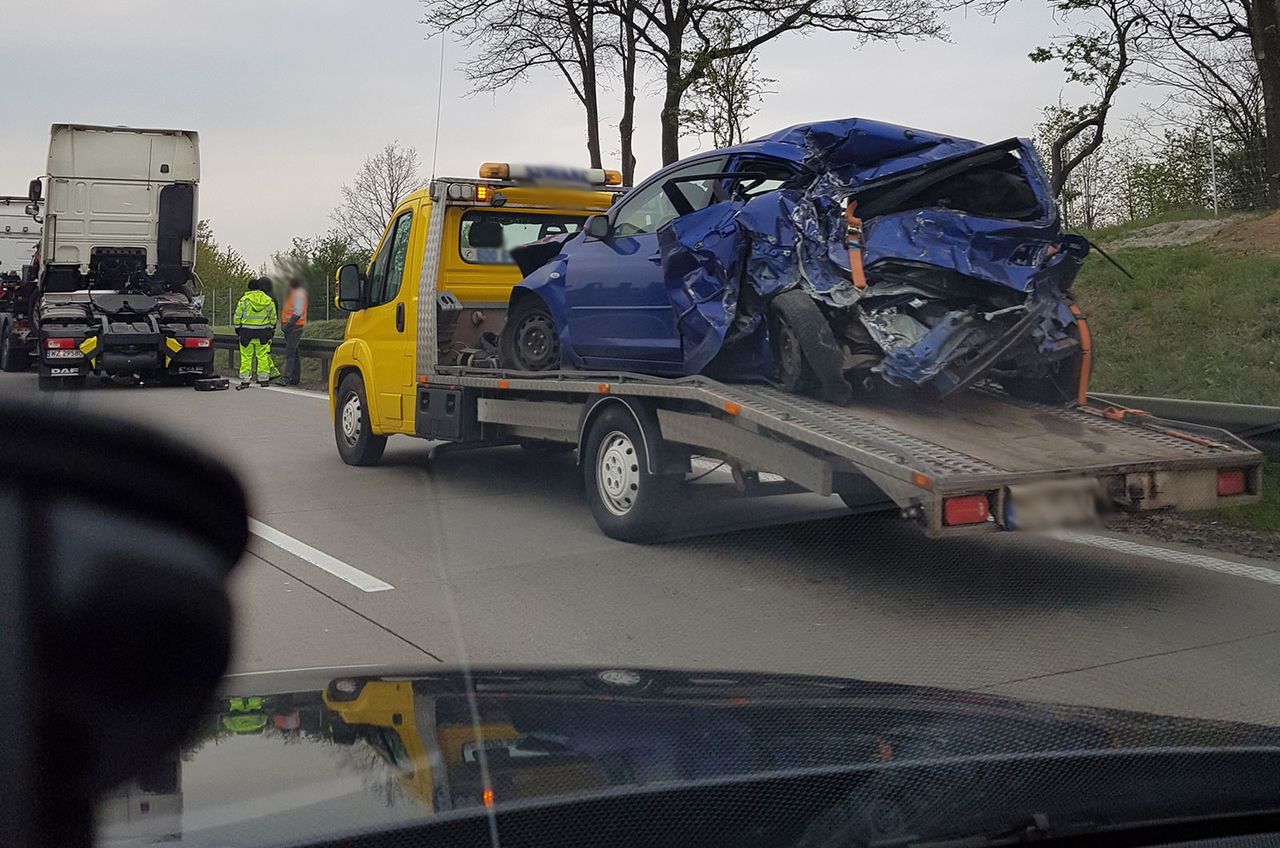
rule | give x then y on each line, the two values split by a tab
121	208
116	294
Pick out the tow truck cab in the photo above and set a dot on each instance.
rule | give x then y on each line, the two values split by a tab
482	219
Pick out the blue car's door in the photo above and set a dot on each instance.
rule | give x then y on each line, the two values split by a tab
619	313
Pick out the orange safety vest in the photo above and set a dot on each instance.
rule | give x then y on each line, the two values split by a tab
295	304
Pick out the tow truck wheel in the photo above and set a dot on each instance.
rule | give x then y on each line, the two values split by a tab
529	340
357	443
628	502
12	360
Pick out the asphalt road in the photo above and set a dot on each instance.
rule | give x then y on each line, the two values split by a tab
491	557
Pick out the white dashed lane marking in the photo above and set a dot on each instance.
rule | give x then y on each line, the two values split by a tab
321	560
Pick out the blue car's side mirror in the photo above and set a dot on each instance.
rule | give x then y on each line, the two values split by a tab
599	227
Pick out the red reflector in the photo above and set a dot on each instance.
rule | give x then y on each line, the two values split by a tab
194	341
970	509
1231	481
59	344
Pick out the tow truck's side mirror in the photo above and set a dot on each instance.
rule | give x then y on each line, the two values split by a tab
349	285
599	227
35	191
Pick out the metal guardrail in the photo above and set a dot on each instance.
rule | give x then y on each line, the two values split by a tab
321	349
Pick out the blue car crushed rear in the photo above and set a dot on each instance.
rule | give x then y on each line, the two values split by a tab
968	272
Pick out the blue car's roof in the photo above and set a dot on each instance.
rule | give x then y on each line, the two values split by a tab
856	148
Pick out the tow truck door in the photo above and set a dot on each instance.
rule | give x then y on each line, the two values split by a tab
388	321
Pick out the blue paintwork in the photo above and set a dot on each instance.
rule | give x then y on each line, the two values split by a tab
668	303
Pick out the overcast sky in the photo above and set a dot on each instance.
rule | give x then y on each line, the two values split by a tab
290	96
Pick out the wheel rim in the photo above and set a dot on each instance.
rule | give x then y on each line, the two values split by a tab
537	344
618	473
351	419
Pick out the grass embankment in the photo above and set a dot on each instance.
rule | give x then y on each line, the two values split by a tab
1197	321
312	377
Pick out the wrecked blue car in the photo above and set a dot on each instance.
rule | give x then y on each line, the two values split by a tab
828	258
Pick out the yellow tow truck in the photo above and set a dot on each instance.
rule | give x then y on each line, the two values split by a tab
412	364
436	747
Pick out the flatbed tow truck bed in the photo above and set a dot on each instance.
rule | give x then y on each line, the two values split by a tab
916	450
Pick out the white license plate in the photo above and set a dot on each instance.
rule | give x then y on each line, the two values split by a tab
190	369
63	354
64	372
1045	504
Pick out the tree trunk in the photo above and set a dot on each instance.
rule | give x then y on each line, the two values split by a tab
590	93
593	121
627	124
1265	40
669	118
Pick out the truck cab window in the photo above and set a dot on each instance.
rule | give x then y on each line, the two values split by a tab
388	268
648	207
485	237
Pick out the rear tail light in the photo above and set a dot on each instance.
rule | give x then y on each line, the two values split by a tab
1231	481
59	344
196	341
970	509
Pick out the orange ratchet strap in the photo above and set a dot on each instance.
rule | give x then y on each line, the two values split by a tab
853	243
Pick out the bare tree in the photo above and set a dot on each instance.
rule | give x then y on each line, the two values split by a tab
627	28
727	96
1098	56
518	37
1253	22
683	36
370	200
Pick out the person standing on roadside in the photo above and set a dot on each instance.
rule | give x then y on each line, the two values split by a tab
255	324
293	317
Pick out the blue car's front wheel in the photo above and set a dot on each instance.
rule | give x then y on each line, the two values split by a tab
530	340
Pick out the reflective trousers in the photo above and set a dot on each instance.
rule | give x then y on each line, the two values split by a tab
256	356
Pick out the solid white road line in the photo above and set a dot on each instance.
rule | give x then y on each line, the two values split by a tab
320	559
1124	546
285	390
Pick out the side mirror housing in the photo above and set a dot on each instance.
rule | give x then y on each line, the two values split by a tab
599	227
35	191
350	284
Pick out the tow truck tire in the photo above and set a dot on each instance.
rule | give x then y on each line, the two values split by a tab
11	360
530	340
352	430
627	501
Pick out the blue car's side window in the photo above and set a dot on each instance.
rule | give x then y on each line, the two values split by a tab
648	208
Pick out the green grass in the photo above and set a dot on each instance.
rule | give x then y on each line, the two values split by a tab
1195	322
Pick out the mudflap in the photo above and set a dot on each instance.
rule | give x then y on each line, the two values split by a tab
212	384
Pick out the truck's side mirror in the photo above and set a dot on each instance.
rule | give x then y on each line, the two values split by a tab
349	280
35	191
598	227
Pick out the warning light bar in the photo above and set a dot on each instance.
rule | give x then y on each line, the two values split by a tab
554	174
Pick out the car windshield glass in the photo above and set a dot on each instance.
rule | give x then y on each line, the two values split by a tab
435	415
486	237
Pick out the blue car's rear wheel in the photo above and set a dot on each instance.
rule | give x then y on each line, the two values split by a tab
530	340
